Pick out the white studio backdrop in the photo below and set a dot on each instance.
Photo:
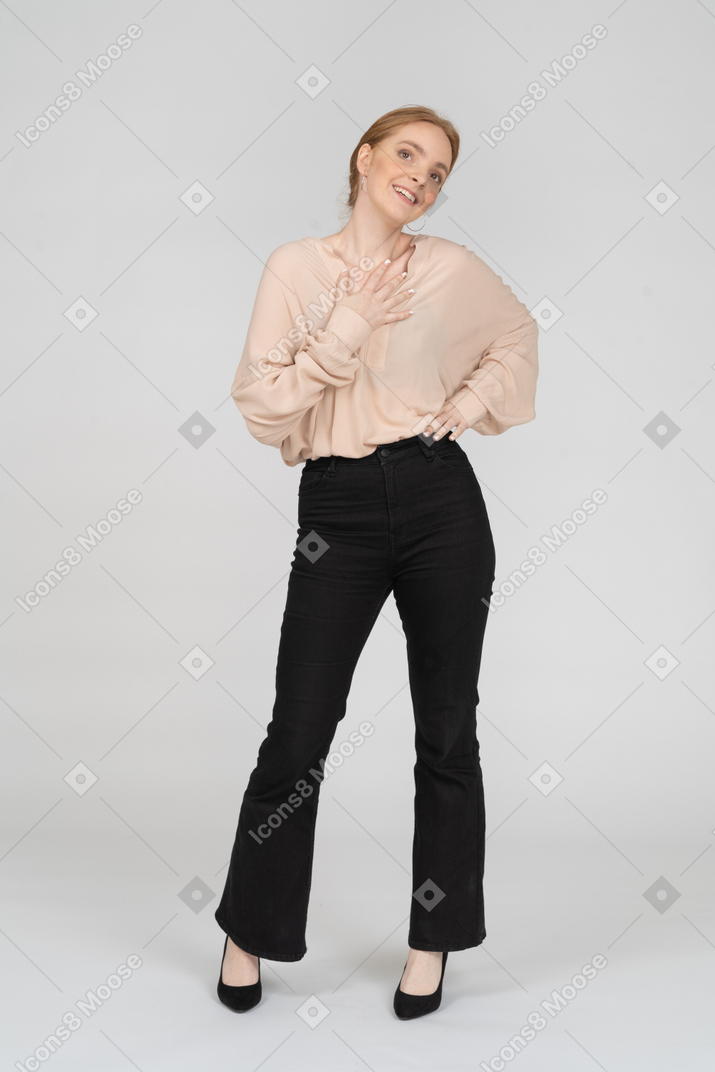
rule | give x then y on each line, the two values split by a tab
134	224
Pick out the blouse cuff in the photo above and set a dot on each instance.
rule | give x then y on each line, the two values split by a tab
350	328
470	406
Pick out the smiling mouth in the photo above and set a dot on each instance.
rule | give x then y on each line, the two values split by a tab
403	197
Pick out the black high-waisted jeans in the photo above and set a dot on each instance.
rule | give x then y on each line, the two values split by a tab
409	519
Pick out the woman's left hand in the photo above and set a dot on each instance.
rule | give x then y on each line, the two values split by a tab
448	417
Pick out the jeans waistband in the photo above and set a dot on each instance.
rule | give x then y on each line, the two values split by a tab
412	442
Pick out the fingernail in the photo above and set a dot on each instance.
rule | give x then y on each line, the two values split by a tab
387	262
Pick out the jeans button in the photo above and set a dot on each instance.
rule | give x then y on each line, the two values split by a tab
384	452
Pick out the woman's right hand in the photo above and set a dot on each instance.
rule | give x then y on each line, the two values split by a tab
376	300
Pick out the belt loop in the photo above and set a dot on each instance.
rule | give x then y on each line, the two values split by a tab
427	451
331	467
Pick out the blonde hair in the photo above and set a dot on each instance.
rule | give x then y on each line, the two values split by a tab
391	121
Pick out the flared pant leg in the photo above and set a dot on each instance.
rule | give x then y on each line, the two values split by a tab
332	603
442	589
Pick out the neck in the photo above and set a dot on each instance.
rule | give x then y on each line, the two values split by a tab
367	236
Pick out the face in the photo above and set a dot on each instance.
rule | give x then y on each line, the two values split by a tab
416	158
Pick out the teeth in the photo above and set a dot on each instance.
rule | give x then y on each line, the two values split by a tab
406	193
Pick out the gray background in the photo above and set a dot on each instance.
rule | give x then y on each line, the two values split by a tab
134	863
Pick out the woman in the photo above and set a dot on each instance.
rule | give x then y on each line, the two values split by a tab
361	373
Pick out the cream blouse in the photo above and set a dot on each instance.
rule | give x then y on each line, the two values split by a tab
314	379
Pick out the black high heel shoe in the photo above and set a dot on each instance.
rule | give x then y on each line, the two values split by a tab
239	998
408	1006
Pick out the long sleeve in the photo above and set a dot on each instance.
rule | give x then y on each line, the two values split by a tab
500	393
287	363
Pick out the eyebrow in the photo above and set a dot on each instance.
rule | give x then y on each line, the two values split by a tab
419	149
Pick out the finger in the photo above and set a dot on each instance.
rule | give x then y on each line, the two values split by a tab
375	277
347	281
457	430
445	421
401	296
434	426
380	269
385	288
461	421
440	427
